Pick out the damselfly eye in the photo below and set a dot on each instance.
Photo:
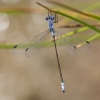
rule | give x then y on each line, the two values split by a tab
47	18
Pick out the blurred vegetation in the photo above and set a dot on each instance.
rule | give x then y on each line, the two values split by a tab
37	78
67	12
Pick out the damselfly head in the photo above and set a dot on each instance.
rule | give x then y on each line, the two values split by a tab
50	18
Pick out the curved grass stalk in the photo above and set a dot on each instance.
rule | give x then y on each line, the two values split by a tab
86	24
92	7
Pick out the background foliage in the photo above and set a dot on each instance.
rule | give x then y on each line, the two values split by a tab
37	77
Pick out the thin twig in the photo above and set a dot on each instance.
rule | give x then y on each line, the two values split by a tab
46	7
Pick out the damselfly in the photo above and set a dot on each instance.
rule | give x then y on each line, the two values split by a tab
34	44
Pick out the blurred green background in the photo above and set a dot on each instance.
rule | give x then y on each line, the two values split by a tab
37	78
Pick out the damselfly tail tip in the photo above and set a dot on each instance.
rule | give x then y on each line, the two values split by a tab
63	91
63	87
